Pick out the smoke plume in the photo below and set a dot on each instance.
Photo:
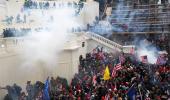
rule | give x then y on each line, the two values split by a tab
145	48
41	47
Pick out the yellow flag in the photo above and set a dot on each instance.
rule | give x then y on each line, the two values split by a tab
106	74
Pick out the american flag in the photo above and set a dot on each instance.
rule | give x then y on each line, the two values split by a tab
118	66
113	73
144	59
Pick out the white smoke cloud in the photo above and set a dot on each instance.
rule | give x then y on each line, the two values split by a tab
148	49
41	48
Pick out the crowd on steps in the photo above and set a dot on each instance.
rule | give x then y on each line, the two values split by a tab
13	32
30	4
101	76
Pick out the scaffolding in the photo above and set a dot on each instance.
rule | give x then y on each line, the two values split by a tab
153	17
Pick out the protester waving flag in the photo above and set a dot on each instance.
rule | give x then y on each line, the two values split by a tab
46	89
106	75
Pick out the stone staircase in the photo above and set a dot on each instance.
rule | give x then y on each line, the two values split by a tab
105	41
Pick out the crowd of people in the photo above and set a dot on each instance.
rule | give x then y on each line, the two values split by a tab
134	19
34	5
13	32
160	41
133	80
29	4
15	19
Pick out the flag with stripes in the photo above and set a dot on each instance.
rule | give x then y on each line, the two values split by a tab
113	73
118	66
144	59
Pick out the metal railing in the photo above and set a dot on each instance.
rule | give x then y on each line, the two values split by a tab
106	41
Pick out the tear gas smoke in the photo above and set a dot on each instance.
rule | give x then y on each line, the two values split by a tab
148	49
42	47
120	20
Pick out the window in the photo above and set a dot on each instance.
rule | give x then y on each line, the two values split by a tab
83	44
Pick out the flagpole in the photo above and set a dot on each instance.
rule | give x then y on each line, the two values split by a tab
131	86
140	93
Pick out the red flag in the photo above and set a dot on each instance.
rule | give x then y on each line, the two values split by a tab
144	59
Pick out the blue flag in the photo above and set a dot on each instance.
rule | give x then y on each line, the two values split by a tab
132	93
46	93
